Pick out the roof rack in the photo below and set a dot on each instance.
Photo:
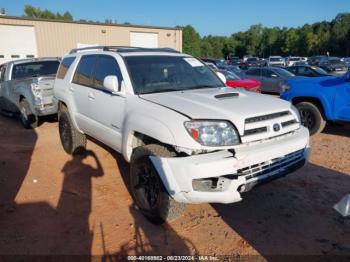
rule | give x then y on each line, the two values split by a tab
123	49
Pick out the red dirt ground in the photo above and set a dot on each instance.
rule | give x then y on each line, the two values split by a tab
51	203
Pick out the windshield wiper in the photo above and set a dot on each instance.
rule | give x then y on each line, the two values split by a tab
201	87
162	91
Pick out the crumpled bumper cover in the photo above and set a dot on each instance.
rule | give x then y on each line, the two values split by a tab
246	166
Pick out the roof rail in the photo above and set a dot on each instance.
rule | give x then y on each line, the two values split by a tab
124	49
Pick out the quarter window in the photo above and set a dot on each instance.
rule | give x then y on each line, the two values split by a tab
83	74
106	65
64	66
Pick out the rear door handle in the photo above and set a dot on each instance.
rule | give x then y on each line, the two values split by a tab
91	96
71	89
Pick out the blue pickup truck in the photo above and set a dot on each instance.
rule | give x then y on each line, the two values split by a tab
319	100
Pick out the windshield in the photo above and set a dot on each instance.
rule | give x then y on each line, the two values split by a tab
282	72
294	59
275	59
229	75
33	69
152	74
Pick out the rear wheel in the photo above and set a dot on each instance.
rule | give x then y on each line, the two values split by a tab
28	118
311	117
147	188
72	140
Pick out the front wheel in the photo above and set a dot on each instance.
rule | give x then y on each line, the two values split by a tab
311	117
72	140
147	188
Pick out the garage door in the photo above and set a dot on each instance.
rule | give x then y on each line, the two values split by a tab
17	42
139	39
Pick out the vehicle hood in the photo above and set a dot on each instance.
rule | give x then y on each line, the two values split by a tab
315	81
205	104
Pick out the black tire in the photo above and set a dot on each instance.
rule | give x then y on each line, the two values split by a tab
311	117
147	188
28	119
72	140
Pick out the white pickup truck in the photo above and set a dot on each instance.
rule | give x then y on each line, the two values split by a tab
188	138
26	86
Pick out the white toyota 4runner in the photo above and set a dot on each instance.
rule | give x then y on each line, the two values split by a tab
188	138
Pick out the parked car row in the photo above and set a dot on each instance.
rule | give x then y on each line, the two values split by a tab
330	64
188	137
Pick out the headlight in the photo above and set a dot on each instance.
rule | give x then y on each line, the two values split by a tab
212	133
296	112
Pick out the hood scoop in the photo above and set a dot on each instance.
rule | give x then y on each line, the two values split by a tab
226	95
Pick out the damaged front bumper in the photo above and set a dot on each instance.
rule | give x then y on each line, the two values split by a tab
221	177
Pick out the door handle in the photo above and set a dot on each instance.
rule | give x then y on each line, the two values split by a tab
91	96
71	89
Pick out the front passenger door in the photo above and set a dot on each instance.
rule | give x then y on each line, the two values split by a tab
107	109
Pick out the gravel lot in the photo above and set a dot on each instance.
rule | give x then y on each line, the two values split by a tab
51	203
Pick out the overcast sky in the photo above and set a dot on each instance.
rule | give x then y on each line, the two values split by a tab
219	17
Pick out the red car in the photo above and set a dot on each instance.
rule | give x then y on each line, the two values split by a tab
232	80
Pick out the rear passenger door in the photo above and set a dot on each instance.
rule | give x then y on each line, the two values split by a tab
106	109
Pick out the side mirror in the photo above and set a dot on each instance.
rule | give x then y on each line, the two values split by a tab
111	84
221	76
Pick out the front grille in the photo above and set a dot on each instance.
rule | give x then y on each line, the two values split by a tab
266	117
276	164
288	123
255	131
269	125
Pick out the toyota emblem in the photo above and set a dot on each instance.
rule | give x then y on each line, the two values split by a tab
276	127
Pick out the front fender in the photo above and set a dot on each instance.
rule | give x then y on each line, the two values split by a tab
145	125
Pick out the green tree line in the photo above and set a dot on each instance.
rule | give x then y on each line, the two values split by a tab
307	40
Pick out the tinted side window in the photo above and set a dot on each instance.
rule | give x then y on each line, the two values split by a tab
106	65
64	66
253	72
292	69
305	71
83	74
267	73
